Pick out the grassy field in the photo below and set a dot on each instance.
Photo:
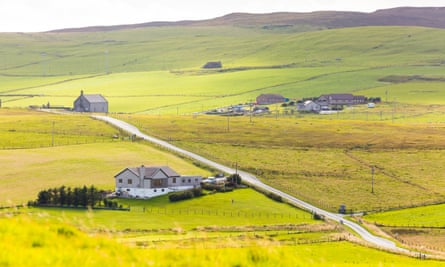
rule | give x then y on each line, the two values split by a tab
21	128
249	208
421	227
76	165
28	242
157	70
325	162
430	216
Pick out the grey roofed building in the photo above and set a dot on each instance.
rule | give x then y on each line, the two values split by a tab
147	182
340	99
90	103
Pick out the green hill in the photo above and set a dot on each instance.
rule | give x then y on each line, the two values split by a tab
158	68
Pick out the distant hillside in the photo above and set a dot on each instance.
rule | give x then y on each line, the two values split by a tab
403	16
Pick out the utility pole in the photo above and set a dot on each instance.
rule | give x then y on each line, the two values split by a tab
372	181
250	110
236	167
43	62
228	123
53	134
106	61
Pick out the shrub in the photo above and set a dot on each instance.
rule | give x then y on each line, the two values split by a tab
188	194
275	197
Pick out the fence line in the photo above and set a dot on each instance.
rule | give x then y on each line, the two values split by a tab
219	213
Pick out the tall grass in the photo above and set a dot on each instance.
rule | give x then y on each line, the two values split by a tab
26	242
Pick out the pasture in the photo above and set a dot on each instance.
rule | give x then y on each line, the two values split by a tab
325	162
157	70
28	242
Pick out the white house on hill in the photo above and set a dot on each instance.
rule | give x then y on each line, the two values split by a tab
147	182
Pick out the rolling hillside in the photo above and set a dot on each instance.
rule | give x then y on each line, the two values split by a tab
402	16
157	69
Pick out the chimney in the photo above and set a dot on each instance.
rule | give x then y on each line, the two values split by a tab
81	92
141	175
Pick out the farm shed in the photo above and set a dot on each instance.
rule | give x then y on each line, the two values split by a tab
267	99
341	99
90	103
212	65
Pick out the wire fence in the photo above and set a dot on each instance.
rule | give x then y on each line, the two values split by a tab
220	213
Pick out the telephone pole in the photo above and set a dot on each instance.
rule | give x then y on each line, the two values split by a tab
52	141
372	181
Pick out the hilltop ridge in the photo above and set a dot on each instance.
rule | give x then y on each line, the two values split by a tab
402	16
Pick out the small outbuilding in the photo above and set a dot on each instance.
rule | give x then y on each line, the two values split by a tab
212	65
90	103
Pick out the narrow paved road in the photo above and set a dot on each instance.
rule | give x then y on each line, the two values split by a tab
252	180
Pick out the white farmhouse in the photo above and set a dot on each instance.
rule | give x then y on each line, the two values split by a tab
147	182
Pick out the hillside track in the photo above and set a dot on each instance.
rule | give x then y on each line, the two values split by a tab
252	180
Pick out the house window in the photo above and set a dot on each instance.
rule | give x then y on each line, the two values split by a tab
174	180
183	180
119	181
130	181
190	180
157	182
196	179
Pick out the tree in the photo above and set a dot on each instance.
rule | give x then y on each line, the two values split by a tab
69	196
84	196
76	198
235	179
43	198
62	196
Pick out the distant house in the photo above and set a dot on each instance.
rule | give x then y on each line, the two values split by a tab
90	103
213	65
335	100
267	99
309	106
147	182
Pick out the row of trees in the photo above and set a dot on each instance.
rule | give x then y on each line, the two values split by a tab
67	196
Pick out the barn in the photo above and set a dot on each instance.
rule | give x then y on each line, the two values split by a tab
90	103
267	99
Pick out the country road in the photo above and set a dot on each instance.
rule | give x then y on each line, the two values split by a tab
254	181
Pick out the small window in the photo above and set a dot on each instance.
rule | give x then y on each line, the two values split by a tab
183	180
190	180
196	179
130	181
119	181
174	180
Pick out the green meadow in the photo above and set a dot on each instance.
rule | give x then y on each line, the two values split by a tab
152	77
70	247
325	162
157	70
429	216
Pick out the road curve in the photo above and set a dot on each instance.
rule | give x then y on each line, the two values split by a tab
254	181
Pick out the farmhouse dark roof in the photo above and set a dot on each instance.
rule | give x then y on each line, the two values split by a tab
271	95
150	172
339	96
95	98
